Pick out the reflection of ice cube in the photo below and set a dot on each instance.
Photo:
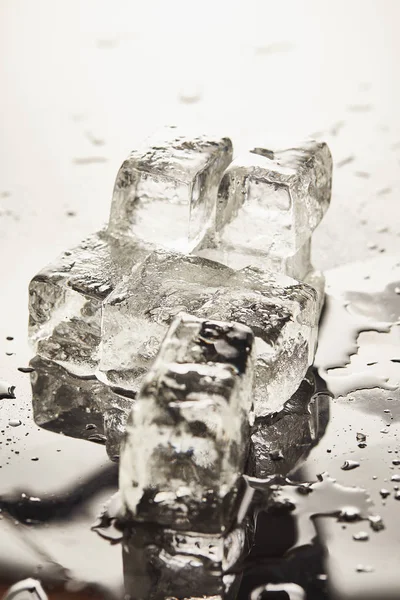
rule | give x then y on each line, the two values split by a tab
269	203
166	192
114	420
282	313
186	437
161	563
71	405
280	442
65	300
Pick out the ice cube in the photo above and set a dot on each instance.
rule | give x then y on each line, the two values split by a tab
269	203
166	191
186	438
71	405
282	312
161	563
65	300
279	443
164	195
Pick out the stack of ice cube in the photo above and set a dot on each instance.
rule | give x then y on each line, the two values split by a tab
182	459
200	299
164	197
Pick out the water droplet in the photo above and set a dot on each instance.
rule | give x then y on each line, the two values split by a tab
9	338
35	458
99	438
15	423
276	455
376	522
364	569
361	437
26	369
384	492
385	430
90	426
361	536
6	390
396	462
397	496
348	465
350	513
395	478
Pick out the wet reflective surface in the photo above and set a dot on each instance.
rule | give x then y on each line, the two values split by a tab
333	539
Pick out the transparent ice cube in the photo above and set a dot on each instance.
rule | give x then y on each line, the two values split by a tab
65	300
166	191
186	437
282	312
269	203
280	442
71	405
164	195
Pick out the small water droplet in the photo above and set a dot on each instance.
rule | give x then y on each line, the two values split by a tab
395	478
26	369
349	465
361	437
385	430
35	458
276	455
15	423
361	536
396	462
364	569
6	390
397	496
90	426
384	492
99	438
349	514
376	522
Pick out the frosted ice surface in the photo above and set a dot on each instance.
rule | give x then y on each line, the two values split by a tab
166	191
65	299
281	312
269	203
161	563
187	434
